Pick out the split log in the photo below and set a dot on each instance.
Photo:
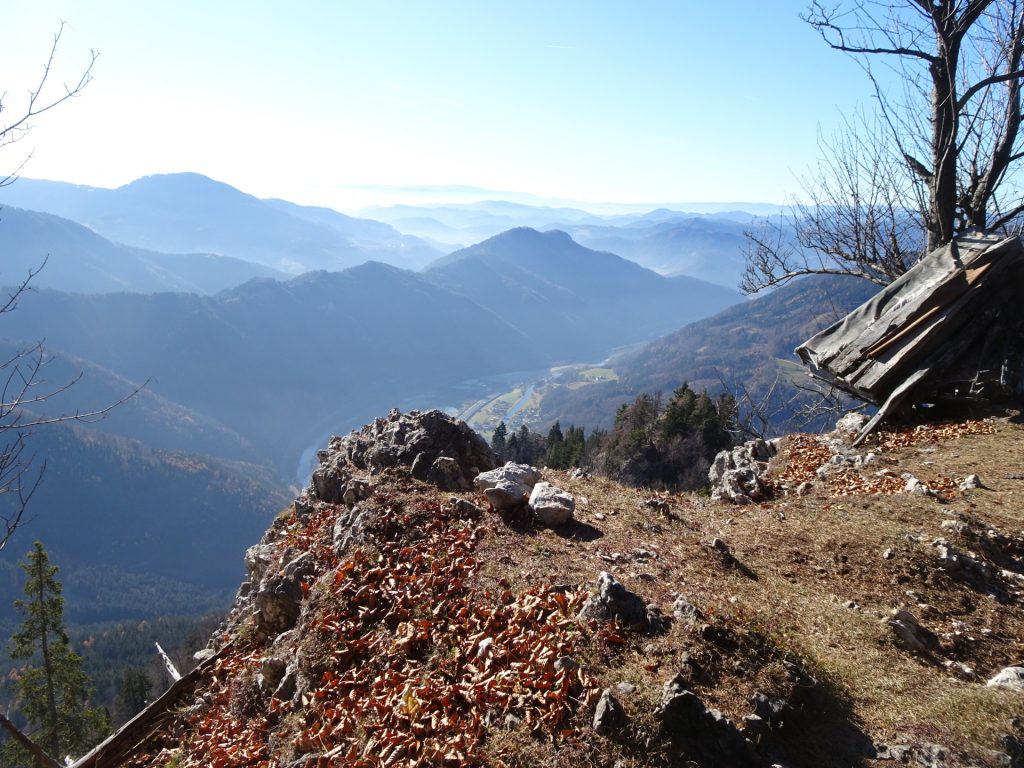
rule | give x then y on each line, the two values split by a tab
168	664
42	759
111	752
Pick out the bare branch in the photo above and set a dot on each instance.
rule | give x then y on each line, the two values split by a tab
987	82
942	155
21	383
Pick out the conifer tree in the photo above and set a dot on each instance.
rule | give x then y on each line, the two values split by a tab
555	456
499	442
134	693
53	690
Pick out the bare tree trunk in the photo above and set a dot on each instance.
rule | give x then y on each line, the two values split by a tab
41	759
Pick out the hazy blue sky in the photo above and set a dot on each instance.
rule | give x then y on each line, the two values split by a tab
673	101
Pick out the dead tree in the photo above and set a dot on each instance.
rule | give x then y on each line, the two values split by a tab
939	157
22	387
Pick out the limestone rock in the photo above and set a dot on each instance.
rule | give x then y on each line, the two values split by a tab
523	474
915	486
279	597
349	528
970	483
551	505
1011	678
614	601
416	440
446	473
466	508
609	715
505	494
272	670
684	611
770	709
920	755
736	475
910	635
258	558
704	734
961	564
509	486
851	422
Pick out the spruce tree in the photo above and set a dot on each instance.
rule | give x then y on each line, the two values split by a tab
134	693
52	690
499	442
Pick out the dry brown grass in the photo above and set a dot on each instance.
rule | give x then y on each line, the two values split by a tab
799	561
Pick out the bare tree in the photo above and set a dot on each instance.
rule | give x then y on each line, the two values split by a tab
23	389
940	156
41	98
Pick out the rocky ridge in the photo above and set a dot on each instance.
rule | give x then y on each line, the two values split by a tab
393	617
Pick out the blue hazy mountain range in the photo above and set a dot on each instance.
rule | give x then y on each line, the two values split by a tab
575	302
190	213
78	259
188	232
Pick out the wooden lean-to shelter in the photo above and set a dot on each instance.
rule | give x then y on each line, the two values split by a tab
951	327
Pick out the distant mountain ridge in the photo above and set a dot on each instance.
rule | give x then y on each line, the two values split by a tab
190	213
580	302
712	248
77	259
281	362
741	345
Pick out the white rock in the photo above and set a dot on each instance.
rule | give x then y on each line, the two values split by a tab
505	494
910	634
851	422
915	486
523	474
736	475
970	483
1009	677
551	505
508	486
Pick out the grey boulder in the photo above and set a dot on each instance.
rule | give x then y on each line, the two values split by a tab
551	505
509	486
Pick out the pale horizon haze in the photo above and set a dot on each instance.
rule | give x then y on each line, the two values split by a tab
349	104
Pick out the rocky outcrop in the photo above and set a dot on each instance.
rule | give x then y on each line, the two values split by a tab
279	597
702	734
434	446
614	601
737	475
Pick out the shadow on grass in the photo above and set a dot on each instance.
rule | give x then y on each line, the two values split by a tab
822	732
521	521
578	531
